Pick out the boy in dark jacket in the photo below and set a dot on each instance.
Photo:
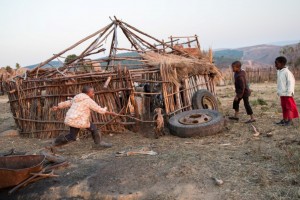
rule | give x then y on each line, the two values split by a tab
242	91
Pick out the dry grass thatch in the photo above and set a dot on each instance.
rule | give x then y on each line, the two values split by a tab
184	66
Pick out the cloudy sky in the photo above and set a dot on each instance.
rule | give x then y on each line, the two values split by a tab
33	30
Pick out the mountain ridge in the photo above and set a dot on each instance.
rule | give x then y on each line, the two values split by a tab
262	55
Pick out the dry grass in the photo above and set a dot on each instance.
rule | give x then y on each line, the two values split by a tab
184	66
251	167
273	172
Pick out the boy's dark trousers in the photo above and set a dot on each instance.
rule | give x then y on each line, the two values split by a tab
246	104
73	134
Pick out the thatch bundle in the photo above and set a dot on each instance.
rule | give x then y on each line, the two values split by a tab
21	71
178	67
6	75
189	50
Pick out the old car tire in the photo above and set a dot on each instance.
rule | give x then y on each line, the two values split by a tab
215	125
203	99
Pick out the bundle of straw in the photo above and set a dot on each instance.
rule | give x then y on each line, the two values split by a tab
184	66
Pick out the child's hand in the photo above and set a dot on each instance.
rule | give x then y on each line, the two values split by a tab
54	108
236	98
111	113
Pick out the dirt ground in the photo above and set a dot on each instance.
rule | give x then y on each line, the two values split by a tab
251	167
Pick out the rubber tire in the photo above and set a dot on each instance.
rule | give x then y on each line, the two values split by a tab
210	128
198	97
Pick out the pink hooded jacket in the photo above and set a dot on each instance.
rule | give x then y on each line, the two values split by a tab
78	115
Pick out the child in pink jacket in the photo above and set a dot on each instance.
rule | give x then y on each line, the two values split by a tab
78	117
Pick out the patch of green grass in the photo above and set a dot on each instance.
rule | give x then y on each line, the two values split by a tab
259	101
264	108
262	102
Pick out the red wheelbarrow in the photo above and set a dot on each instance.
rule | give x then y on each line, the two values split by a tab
16	169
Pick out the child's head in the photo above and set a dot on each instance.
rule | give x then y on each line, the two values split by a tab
280	62
236	66
88	90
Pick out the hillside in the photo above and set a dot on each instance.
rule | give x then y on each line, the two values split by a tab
125	62
51	64
253	56
264	54
225	57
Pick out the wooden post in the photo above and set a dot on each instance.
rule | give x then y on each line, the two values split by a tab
198	44
164	89
177	95
186	91
107	82
189	43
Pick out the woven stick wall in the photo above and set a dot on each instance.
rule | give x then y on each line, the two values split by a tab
31	101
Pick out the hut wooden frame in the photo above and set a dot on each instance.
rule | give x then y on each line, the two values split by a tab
32	95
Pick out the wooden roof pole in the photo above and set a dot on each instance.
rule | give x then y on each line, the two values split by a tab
112	46
87	51
137	30
139	38
104	38
134	39
129	38
71	47
128	35
95	41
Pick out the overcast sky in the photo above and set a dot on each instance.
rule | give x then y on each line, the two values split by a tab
32	30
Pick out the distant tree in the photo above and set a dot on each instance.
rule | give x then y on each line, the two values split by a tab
9	69
18	66
70	58
292	53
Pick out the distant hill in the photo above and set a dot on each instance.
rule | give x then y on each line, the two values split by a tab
284	43
124	62
225	57
264	54
252	56
232	53
51	64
